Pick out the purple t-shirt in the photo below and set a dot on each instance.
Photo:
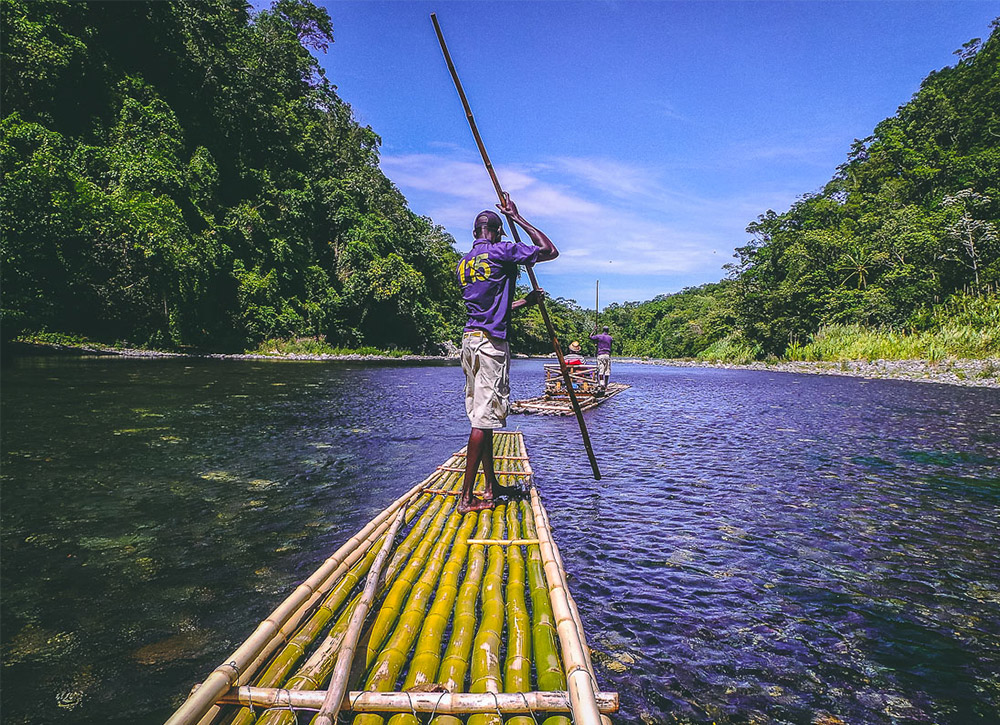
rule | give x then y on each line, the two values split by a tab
603	343
487	275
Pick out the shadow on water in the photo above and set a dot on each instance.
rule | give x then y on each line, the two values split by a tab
763	547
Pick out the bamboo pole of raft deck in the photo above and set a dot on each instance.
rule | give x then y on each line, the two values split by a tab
296	645
485	666
517	669
341	671
427	653
579	678
392	606
575	611
390	661
504	542
443	703
317	667
513	228
225	675
455	663
548	666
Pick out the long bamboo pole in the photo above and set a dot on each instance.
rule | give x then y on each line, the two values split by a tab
442	703
597	304
513	228
341	671
237	664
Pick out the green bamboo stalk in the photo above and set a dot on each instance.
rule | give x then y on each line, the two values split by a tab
307	633
313	673
427	653
548	667
486	675
392	606
334	696
393	657
517	669
455	664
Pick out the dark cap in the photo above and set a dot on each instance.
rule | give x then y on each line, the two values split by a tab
490	219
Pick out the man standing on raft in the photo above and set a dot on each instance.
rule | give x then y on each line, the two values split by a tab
487	275
603	341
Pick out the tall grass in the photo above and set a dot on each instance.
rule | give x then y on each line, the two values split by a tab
733	348
966	326
309	346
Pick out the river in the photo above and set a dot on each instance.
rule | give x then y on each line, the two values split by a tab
763	547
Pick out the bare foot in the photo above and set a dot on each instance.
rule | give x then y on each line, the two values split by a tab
475	504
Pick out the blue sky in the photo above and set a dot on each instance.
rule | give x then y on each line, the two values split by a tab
642	137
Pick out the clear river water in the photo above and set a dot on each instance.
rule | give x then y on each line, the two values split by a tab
763	547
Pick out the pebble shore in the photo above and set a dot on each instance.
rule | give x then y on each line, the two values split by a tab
137	352
974	373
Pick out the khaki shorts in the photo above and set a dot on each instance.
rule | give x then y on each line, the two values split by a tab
486	362
604	365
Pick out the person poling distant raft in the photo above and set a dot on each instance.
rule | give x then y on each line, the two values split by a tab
487	274
603	341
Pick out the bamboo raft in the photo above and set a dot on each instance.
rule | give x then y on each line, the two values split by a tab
365	635
555	400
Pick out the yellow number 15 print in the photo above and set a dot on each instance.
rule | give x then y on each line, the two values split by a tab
476	269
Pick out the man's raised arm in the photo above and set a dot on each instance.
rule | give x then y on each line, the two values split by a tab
538	238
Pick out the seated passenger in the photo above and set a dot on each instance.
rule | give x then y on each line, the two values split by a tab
573	356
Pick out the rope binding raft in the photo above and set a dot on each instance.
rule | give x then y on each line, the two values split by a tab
366	632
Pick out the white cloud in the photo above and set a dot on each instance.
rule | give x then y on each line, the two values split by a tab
606	216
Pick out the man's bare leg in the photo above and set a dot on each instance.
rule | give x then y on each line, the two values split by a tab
493	487
480	441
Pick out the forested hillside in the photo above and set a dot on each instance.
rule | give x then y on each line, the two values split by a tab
905	238
182	173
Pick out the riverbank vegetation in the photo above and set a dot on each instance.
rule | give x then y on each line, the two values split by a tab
182	176
310	346
898	256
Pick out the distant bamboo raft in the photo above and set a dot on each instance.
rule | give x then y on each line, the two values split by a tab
388	627
560	405
556	400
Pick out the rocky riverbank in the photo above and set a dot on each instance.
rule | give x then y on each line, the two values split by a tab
52	348
977	373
